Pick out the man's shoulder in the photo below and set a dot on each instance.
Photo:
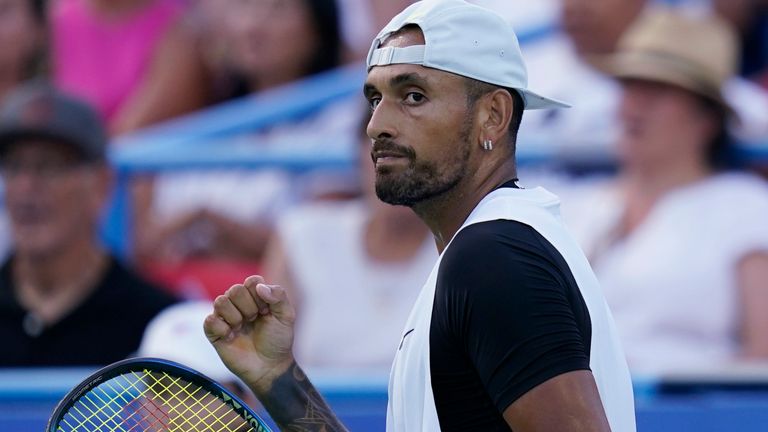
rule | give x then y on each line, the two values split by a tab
491	251
486	239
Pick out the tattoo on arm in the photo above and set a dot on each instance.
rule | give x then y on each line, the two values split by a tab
296	406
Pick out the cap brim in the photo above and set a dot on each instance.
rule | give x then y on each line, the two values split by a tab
12	135
535	101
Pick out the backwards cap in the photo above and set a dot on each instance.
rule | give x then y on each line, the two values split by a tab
463	39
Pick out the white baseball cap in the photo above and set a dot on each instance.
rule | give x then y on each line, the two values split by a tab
463	39
177	334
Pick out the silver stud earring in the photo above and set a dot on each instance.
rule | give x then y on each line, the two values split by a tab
487	145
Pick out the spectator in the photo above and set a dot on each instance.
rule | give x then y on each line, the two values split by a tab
22	36
222	219
591	30
363	254
588	30
679	245
135	61
274	42
361	19
64	300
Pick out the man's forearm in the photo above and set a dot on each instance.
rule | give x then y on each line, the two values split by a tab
296	406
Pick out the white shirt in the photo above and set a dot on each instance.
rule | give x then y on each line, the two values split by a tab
672	282
247	195
352	307
411	405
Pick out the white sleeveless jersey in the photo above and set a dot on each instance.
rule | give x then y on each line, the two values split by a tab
411	406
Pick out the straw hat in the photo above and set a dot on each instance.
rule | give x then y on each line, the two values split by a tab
697	53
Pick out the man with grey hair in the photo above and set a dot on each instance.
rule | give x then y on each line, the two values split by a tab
64	299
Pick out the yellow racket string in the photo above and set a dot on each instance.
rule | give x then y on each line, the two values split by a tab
175	394
104	406
119	395
87	417
166	404
158	388
212	422
149	387
112	399
138	379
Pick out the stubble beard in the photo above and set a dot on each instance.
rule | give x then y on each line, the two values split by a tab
424	180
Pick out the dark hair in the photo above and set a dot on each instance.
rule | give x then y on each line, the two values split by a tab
477	89
37	63
324	15
38	8
325	18
717	150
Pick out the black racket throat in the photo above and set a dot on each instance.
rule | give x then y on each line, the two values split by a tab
152	395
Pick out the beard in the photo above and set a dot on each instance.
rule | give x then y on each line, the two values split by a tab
422	180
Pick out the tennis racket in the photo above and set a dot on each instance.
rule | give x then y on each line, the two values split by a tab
152	395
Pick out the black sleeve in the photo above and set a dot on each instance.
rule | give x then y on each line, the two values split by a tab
507	300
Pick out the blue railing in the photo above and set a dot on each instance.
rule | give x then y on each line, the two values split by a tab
213	138
28	396
205	138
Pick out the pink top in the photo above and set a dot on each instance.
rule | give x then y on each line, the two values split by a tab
103	59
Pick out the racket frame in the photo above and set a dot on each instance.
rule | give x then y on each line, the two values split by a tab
155	365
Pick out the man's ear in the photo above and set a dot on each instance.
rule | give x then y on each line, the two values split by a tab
495	110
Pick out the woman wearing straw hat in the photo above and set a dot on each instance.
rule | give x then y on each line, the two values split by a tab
679	245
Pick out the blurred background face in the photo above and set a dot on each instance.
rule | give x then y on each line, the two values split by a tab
661	122
52	198
267	37
19	34
595	26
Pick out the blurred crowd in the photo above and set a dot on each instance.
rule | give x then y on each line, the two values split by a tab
662	92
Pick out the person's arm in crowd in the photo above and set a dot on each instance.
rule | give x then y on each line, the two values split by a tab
233	239
202	232
151	239
155	238
251	328
752	273
176	83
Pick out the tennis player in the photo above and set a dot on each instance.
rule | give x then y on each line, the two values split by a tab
510	331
